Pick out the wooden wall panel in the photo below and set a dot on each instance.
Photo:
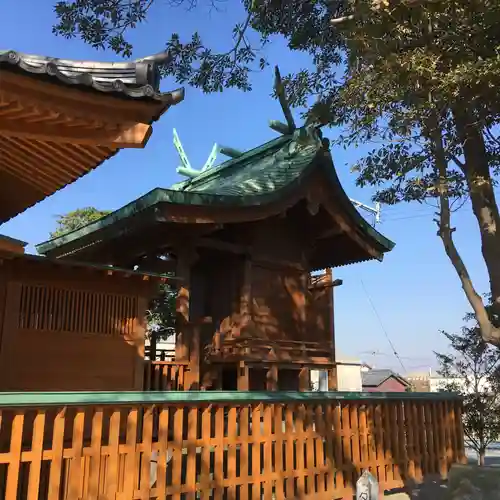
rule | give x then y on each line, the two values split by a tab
278	310
320	308
37	360
71	335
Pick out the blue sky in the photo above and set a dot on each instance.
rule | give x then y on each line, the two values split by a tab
415	292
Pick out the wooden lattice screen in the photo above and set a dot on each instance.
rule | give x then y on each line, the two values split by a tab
68	336
58	309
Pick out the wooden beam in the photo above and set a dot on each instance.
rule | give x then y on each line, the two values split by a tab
74	101
128	136
223	246
329	233
257	259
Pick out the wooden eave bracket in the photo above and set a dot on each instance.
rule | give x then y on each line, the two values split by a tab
123	136
335	283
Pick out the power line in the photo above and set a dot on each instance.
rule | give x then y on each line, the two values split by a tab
382	327
417	216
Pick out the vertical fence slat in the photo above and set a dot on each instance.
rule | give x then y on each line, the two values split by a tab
336	414
75	466
300	420
232	464
416	440
178	432
402	441
319	446
396	454
354	437
267	476
206	430
363	437
447	435
431	453
113	461
440	438
57	454
309	455
278	451
410	445
37	451
16	437
130	471
255	457
95	454
147	444
378	430
192	432
219	453
289	452
162	457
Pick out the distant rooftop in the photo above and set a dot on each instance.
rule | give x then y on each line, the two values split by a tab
374	378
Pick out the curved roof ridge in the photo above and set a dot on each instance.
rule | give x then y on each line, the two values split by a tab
190	185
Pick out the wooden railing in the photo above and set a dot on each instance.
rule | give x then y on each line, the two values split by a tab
251	348
229	446
165	375
160	354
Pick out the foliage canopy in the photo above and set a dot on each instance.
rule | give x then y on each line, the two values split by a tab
77	218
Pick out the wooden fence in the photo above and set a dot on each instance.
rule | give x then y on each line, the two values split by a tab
214	445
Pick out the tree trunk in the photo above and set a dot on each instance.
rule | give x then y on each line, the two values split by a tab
481	455
445	232
477	173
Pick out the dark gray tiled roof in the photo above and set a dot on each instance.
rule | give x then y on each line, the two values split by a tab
373	378
135	79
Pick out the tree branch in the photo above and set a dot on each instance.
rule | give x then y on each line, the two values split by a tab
488	332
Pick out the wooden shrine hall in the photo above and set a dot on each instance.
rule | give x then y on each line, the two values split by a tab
60	322
246	237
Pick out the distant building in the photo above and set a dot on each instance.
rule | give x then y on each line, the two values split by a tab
420	383
427	382
348	376
383	381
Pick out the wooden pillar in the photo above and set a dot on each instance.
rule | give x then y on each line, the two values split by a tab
246	295
243	382
186	345
186	257
272	378
153	339
305	379
138	340
332	379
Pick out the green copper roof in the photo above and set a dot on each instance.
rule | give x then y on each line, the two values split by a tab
258	177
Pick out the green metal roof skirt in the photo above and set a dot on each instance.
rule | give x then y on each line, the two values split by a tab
30	399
